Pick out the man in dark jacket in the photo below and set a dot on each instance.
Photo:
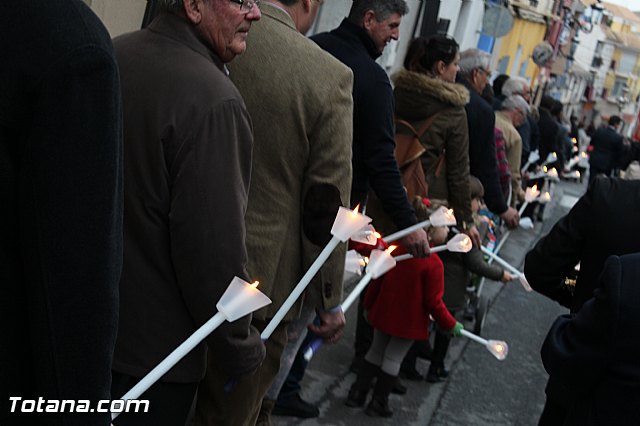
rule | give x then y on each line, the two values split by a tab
594	354
551	137
187	138
61	214
474	74
357	42
601	224
607	148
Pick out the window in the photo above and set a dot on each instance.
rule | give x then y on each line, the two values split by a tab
627	63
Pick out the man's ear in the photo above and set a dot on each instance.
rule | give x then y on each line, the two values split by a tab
306	5
193	10
369	19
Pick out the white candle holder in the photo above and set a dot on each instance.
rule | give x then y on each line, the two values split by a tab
531	194
545	198
354	262
366	235
380	262
497	348
551	158
347	223
553	175
240	299
442	217
533	157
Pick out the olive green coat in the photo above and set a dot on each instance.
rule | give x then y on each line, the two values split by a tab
299	98
419	96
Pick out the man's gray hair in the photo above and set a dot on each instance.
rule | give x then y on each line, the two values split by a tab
472	59
170	5
515	86
382	8
515	102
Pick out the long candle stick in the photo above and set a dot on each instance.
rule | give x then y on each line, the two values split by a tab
441	217
346	224
379	263
240	299
508	266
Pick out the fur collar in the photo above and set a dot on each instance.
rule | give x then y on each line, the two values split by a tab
450	93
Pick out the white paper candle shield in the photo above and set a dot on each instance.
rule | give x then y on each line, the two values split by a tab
460	243
442	217
551	158
545	197
380	262
240	299
347	223
366	235
553	174
354	262
531	194
498	348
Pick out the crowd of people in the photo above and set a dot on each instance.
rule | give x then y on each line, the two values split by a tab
143	174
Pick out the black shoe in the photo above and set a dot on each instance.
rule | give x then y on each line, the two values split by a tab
398	388
411	373
437	374
378	408
356	397
295	406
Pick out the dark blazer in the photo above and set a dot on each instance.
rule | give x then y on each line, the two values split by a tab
551	138
482	149
595	354
607	148
602	223
61	207
187	141
374	163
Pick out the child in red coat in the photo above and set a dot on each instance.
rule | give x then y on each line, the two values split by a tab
398	306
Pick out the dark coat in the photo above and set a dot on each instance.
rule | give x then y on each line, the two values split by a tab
595	353
602	223
551	138
482	149
607	149
61	214
400	302
187	140
374	163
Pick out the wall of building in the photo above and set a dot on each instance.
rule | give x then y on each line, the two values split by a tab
516	48
119	16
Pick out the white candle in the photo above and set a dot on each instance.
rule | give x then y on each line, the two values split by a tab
506	265
347	223
240	299
460	243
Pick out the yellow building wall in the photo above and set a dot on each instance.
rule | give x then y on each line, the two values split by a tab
526	34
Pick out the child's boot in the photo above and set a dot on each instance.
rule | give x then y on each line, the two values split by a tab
360	388
379	405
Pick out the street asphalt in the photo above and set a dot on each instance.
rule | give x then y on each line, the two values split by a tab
480	391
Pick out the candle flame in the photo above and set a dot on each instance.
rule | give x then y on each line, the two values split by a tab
450	212
254	284
534	188
355	211
584	155
366	260
377	235
544	169
390	249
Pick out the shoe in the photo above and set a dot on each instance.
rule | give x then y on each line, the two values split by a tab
295	406
469	312
356	397
379	404
378	408
399	388
411	373
437	373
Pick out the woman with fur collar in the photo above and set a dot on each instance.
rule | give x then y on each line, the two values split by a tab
426	87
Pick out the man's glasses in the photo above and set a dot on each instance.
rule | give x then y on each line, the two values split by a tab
486	72
246	5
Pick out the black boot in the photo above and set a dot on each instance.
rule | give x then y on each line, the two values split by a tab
379	405
360	388
408	367
437	372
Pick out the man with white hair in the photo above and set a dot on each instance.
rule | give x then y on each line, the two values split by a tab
474	74
528	130
513	113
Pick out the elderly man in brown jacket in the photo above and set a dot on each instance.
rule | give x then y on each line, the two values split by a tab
187	149
299	98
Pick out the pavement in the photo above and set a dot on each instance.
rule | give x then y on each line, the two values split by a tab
480	389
